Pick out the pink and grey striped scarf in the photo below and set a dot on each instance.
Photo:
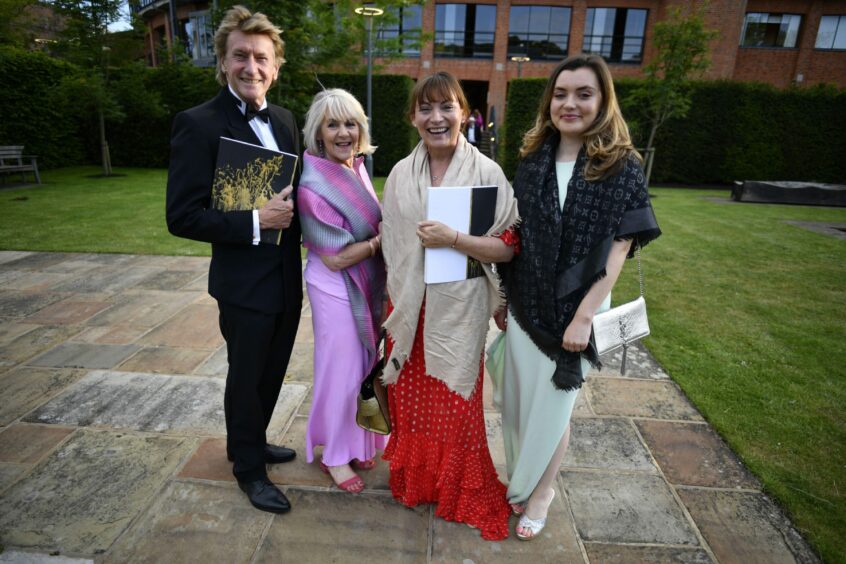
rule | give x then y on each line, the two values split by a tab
337	207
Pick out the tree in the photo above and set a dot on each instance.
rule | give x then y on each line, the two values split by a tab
84	41
320	36
681	45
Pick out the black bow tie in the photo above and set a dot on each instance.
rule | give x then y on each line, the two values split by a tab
252	112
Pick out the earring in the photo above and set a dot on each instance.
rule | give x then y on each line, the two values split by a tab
321	148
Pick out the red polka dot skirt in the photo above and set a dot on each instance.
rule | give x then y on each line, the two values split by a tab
438	449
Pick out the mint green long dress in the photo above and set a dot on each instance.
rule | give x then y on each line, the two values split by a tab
534	413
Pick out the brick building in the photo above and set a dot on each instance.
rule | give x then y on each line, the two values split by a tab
486	43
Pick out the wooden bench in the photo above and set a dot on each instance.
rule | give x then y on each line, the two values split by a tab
12	159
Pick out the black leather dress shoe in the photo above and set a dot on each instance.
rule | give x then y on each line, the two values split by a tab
275	454
278	454
264	495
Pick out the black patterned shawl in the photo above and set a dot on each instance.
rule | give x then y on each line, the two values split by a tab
564	253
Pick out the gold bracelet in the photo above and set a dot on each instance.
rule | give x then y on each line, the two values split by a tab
454	243
372	248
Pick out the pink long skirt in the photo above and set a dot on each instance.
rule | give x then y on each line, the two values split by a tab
339	369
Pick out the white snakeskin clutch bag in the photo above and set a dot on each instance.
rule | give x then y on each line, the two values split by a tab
620	326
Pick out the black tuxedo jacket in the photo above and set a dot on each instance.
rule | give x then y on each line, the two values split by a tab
261	277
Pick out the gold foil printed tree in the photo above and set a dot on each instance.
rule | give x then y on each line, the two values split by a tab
248	187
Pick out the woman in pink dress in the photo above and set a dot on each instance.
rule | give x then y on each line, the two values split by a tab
345	276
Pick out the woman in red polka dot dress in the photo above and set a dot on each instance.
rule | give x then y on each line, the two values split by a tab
438	449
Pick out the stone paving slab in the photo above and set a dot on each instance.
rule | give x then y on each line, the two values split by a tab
33	342
209	462
290	397
11	329
299	472
19	557
693	454
9	474
84	355
145	309
164	360
110	335
626	508
67	312
108	279
218	364
8	276
168	280
639	398
745	527
35	280
639	364
34	261
200	284
196	326
11	256
610	444
139	401
338	527
194	522
21	304
25	388
85	494
629	554
301	365
27	444
456	542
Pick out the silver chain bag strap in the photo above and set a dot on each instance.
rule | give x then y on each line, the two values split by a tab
622	325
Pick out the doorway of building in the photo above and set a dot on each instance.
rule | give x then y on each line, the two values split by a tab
477	96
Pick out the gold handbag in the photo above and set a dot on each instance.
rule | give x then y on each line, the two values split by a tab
372	406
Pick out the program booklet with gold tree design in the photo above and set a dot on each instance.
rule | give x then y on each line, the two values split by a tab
247	176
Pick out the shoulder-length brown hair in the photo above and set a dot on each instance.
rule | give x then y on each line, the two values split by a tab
607	140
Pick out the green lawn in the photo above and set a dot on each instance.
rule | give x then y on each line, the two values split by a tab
748	315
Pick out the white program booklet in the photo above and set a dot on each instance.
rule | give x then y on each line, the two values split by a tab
467	209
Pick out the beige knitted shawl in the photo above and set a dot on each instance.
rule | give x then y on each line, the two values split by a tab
457	313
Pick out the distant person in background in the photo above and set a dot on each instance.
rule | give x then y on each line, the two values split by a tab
584	207
345	275
480	121
472	132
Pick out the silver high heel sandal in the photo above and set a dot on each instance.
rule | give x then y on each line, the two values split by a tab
534	526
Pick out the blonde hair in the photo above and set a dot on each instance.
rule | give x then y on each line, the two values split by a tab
607	140
438	87
339	105
239	18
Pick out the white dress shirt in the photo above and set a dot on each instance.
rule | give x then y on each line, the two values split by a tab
264	132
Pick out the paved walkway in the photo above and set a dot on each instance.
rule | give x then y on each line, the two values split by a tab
112	447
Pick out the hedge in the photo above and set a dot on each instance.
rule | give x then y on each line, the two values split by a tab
47	106
37	113
734	131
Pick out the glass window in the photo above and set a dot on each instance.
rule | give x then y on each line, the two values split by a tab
832	33
465	30
615	33
200	38
407	24
770	30
538	32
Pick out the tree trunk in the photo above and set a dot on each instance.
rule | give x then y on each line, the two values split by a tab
104	145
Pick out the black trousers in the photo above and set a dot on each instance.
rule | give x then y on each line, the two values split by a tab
258	347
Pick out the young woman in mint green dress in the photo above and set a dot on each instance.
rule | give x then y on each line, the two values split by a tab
584	208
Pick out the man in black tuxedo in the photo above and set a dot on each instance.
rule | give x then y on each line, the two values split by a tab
258	287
